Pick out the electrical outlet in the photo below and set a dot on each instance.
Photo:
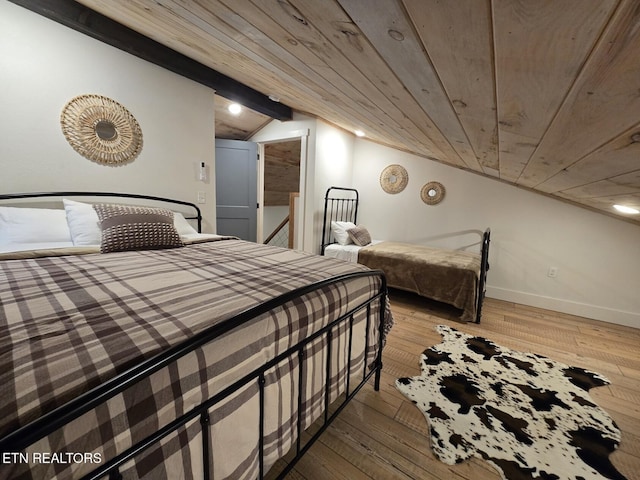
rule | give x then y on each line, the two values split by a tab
552	272
202	197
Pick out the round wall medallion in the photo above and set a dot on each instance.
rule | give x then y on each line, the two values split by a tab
101	130
432	193
394	179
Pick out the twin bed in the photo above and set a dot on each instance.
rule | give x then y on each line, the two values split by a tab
454	277
155	356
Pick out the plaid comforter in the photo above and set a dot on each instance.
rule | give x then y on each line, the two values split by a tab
69	323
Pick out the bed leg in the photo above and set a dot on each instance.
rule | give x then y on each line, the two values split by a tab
484	268
204	422
479	307
381	339
376	382
115	475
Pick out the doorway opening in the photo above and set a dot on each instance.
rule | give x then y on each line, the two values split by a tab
281	192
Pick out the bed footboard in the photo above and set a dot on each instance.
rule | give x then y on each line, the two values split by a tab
373	311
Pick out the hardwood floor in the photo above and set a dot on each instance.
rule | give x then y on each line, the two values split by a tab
381	435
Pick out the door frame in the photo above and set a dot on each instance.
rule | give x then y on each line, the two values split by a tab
303	136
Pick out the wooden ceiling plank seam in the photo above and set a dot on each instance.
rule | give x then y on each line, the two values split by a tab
594	106
400	94
411	63
455	142
494	73
540	48
603	204
456	136
458	40
509	168
460	145
274	72
222	53
228	42
286	59
99	26
594	48
618	156
332	66
599	189
225	55
234	36
372	66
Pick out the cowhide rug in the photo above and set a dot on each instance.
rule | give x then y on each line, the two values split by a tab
529	416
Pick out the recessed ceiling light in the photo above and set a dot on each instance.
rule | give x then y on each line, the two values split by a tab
359	133
625	209
235	108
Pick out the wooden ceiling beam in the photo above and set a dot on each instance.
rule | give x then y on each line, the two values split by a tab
85	20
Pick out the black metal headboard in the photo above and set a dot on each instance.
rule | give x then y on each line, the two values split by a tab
197	216
340	205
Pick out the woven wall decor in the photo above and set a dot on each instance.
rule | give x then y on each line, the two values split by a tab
101	130
432	193
394	179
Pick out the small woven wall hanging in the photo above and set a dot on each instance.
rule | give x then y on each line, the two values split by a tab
394	179
101	129
432	193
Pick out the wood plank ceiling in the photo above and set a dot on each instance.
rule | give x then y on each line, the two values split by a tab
543	94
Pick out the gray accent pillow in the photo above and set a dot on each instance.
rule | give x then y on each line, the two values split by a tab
128	227
359	235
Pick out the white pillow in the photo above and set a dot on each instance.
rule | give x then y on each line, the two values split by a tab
83	223
182	225
33	225
340	233
22	247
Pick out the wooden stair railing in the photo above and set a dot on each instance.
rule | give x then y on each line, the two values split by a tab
288	219
277	229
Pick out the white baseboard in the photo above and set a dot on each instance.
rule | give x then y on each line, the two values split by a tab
620	317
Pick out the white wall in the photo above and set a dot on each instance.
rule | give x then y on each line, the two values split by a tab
43	65
304	128
326	160
598	257
334	168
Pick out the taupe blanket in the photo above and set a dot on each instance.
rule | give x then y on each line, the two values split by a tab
448	276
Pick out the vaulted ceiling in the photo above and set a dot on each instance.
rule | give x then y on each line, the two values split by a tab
239	126
542	94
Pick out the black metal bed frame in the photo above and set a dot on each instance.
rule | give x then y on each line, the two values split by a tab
21	438
339	209
344	208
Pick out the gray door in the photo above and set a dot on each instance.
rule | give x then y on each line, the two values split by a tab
237	188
